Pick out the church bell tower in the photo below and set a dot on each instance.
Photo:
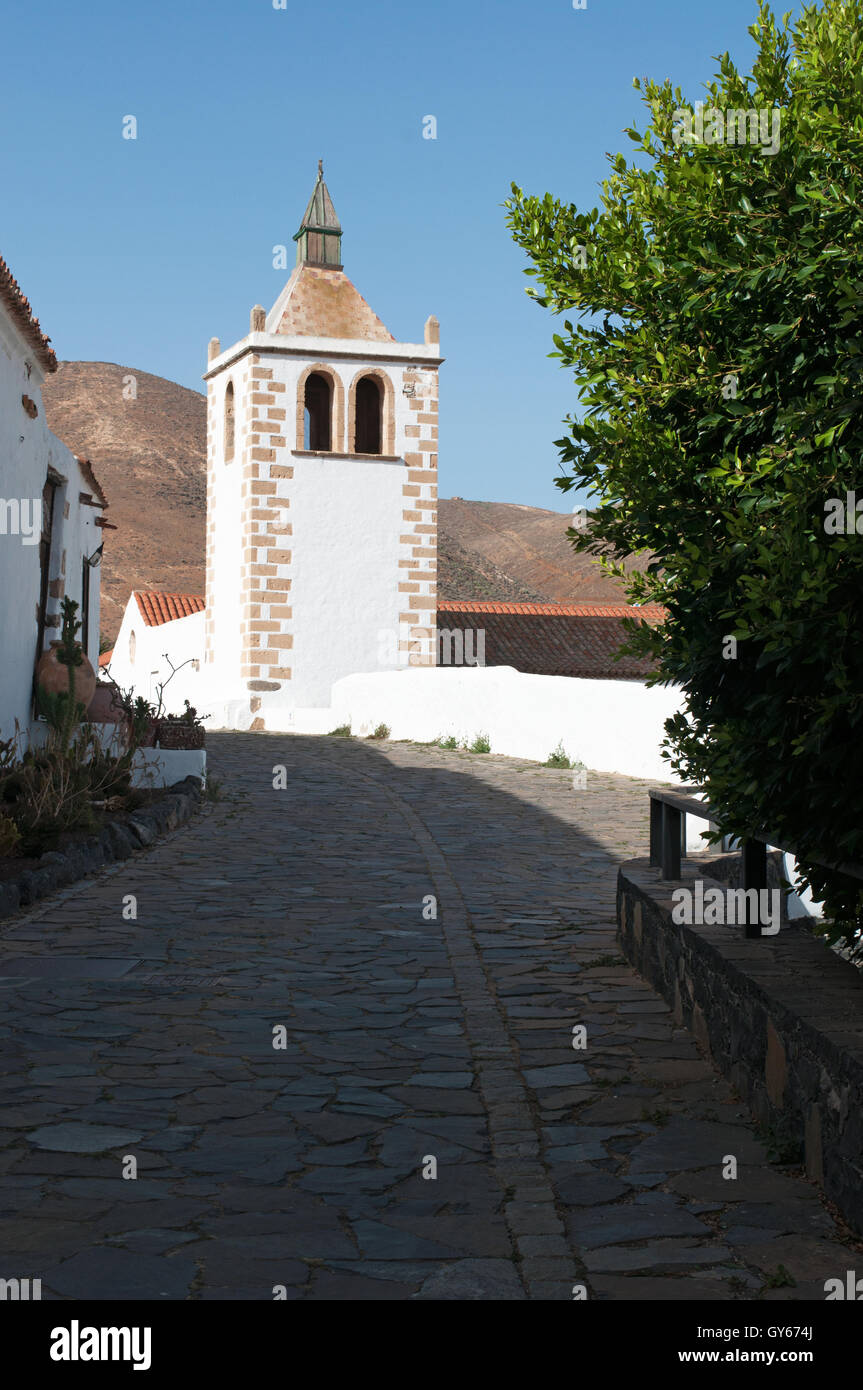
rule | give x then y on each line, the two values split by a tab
322	450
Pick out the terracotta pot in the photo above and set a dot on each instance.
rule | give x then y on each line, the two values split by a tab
54	676
105	707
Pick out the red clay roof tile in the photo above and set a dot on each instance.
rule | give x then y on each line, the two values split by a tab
551	639
159	608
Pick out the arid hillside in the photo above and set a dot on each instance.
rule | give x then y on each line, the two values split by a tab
148	454
530	546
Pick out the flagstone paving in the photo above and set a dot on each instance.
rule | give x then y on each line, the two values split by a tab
428	1130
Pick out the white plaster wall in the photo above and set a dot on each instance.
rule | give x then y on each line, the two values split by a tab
610	726
346	518
162	767
27	449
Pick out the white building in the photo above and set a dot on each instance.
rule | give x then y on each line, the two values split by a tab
321	494
160	643
51	522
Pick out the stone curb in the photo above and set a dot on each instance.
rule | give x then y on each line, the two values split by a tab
780	1016
115	841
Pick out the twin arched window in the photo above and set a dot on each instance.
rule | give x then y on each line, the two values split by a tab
320	413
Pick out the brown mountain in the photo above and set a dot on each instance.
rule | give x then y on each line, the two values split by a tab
148	452
530	546
149	455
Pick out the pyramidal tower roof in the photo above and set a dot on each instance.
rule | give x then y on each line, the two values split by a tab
319	301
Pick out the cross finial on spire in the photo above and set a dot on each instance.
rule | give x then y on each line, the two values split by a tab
321	167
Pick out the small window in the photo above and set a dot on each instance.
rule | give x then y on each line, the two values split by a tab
229	421
132	645
317	414
369	412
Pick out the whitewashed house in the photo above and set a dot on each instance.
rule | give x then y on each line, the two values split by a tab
159	633
51	516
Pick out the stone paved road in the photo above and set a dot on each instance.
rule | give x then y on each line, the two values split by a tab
409	1041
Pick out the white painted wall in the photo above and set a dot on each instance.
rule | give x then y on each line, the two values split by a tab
347	519
610	726
27	449
162	767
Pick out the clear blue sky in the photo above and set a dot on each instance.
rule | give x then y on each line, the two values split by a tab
138	252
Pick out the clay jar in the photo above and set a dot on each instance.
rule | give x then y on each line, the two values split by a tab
54	676
105	707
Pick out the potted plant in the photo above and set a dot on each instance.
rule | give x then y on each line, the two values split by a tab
184	730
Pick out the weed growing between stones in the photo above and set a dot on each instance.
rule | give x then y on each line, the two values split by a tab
343	731
559	758
214	788
381	731
780	1279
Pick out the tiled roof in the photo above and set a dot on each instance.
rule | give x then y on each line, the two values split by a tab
105	657
321	303
651	611
19	308
546	639
551	639
164	608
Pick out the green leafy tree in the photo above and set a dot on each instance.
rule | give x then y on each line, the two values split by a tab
718	289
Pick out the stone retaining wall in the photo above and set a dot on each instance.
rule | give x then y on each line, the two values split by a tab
781	1016
117	840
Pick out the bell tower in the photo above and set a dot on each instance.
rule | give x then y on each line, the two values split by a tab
322	450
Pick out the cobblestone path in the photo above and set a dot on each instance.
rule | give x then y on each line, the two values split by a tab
411	1043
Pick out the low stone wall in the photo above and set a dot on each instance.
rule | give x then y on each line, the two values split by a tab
781	1016
117	840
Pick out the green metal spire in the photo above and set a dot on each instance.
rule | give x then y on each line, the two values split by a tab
319	240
